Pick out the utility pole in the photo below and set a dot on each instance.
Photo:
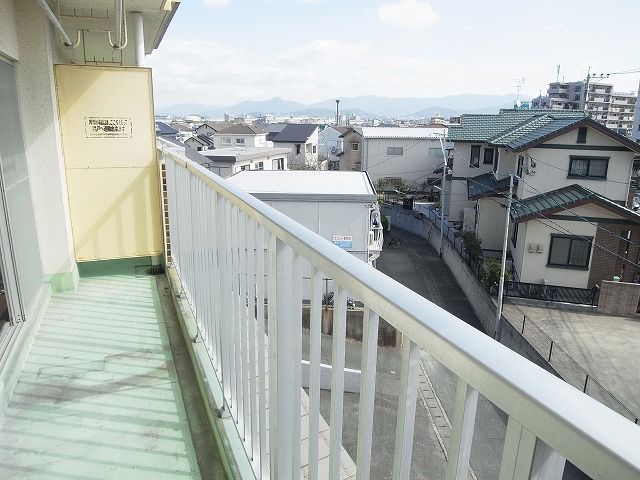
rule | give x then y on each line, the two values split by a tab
503	265
586	89
337	112
444	173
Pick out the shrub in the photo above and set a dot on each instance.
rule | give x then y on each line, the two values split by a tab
490	272
472	245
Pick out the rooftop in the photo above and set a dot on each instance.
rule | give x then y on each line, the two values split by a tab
565	198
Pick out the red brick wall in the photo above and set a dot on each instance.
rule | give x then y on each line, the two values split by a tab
604	265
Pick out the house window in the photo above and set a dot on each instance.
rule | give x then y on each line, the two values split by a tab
226	141
488	156
514	233
298	148
568	251
314	149
354	147
243	168
520	165
239	141
278	164
394	150
591	167
582	135
474	161
495	160
435	153
260	166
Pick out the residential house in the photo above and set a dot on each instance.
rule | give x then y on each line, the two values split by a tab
164	130
302	140
331	145
185	130
567	156
227	161
396	155
200	142
211	128
240	135
351	158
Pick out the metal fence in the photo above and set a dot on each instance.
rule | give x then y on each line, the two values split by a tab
553	293
570	370
224	242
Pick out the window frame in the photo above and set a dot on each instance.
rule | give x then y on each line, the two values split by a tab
582	135
395	151
239	141
355	147
485	157
474	158
572	239
573	158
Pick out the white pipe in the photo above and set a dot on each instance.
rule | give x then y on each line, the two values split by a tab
118	17
138	33
56	23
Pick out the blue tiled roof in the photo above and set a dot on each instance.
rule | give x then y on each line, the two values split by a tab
486	185
565	198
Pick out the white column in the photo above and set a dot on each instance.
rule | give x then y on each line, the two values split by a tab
138	37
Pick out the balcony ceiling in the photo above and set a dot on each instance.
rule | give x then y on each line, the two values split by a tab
94	17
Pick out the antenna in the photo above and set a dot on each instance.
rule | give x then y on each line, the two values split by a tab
557	73
519	86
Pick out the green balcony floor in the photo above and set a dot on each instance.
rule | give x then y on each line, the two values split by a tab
98	397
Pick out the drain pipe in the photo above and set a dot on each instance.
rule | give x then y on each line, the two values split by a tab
118	17
138	34
56	23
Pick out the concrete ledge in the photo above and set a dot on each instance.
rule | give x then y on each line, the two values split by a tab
237	464
568	307
19	347
64	282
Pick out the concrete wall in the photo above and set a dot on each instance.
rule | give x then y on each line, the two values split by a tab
481	302
618	298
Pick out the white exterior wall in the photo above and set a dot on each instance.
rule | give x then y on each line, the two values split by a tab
249	140
459	200
331	218
552	170
36	52
414	164
330	144
533	267
491	219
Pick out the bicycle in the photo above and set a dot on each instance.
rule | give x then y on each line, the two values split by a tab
392	241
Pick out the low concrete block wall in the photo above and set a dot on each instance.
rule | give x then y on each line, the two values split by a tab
619	298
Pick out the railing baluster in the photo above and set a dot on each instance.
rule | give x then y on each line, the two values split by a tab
517	455
262	358
337	380
315	323
226	328
281	423
242	324
406	409
462	431
367	393
296	350
547	463
254	439
236	361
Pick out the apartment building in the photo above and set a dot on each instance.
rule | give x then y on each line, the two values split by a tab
614	110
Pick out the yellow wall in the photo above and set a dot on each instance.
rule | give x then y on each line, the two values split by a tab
108	140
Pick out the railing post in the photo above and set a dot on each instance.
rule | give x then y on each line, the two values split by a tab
466	403
550	351
586	382
524	319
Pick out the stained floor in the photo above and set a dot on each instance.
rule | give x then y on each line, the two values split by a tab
98	397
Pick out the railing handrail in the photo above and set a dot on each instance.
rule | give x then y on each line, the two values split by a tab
578	427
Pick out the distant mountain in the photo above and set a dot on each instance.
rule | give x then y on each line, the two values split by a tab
365	106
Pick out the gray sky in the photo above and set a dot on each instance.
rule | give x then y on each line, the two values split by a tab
221	52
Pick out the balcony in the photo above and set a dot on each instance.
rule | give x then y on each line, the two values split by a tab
98	394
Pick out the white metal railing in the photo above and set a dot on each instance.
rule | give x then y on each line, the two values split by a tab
224	242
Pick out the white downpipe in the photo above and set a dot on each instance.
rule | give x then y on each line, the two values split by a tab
118	17
138	34
56	23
